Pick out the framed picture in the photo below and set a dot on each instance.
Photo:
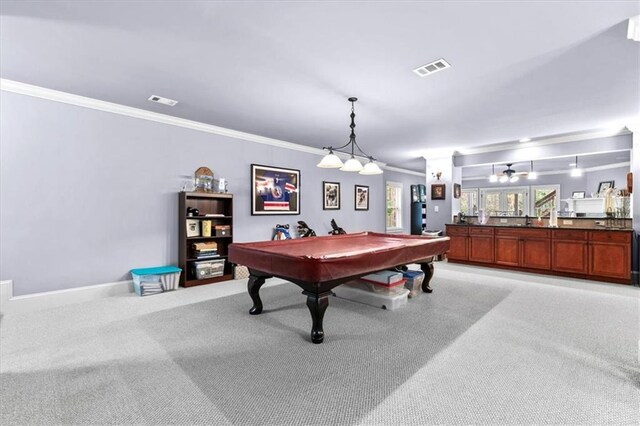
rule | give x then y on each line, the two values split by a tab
577	194
362	197
331	195
274	190
605	185
456	190
193	228
438	191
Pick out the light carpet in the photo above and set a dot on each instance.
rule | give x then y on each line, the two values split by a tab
487	347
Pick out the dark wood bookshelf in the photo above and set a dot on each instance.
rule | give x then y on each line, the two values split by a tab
206	203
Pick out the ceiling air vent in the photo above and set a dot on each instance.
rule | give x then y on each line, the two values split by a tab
432	67
161	100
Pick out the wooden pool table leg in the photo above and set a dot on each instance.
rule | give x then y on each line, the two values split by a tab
427	268
317	304
254	284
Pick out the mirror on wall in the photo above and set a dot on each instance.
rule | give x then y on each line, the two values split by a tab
517	194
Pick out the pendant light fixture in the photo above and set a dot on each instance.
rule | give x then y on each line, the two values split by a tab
332	161
493	178
576	172
532	175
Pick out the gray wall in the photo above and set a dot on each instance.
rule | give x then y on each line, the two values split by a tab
87	195
406	180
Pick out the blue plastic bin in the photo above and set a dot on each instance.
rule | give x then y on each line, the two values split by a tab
414	282
155	280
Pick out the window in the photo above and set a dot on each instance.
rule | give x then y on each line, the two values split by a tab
505	201
469	201
394	206
545	199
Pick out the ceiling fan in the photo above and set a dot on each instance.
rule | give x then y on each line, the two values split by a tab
510	174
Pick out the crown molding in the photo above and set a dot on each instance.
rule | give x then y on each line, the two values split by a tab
574	137
82	101
405	171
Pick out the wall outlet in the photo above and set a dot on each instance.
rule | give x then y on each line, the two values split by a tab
567	222
503	221
436	209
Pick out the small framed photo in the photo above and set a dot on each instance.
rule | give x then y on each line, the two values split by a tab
193	228
362	197
456	190
577	194
331	195
438	191
605	185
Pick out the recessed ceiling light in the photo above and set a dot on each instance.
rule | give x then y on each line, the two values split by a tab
161	100
432	68
525	140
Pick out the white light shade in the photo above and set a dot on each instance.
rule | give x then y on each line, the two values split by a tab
533	175
352	165
371	168
330	161
514	178
576	172
503	178
493	178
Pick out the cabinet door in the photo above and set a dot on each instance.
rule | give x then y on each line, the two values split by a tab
610	260
569	256
457	247
536	253
481	248
507	250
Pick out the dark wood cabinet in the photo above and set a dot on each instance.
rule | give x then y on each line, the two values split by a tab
480	244
536	253
527	248
458	236
603	255
217	210
507	249
569	251
610	254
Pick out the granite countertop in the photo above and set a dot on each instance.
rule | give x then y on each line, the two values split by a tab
508	225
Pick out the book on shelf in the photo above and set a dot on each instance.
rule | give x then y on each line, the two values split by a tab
207	256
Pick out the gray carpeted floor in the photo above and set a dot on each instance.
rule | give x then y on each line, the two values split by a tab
487	347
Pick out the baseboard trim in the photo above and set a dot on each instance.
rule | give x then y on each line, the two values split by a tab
52	299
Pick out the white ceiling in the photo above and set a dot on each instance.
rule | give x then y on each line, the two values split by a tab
285	69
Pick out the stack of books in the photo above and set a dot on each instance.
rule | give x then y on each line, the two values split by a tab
206	250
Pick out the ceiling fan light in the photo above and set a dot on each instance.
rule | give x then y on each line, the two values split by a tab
330	161
371	168
503	178
352	165
514	178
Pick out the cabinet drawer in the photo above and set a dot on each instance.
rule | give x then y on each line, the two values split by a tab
610	236
457	230
476	230
522	233
569	234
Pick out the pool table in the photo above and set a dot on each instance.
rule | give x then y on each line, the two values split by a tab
318	264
